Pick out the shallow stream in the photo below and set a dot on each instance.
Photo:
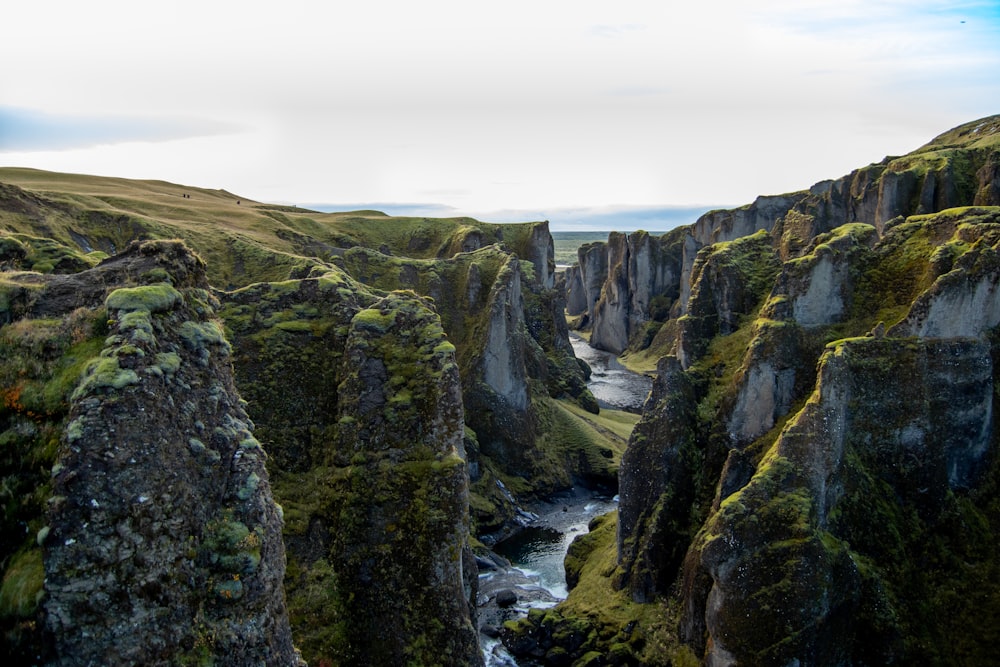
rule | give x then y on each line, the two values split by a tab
613	385
531	563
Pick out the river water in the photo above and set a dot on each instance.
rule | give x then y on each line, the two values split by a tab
531	562
535	572
613	385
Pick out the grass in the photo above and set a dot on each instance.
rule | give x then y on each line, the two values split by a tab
242	241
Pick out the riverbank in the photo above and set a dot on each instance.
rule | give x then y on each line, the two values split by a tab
527	571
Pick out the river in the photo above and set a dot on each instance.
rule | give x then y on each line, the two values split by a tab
613	385
535	572
530	564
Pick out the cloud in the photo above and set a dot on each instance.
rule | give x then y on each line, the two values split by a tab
30	130
615	31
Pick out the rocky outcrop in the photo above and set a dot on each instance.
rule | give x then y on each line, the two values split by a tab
728	281
641	270
592	267
610	327
728	225
768	382
657	484
572	286
161	543
806	498
776	575
404	502
359	400
513	349
964	302
817	289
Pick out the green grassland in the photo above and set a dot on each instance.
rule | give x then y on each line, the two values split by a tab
242	241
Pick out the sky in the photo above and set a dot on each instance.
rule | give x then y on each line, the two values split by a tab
637	113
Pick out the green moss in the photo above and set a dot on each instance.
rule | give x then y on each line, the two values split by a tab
22	588
373	319
104	373
199	335
230	547
151	298
168	362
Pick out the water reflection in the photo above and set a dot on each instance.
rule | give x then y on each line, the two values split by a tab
613	385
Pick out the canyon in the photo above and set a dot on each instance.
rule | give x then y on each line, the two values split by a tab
240	433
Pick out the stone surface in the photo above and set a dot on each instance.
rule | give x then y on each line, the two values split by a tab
164	543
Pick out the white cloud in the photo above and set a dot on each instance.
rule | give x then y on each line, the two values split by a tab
520	105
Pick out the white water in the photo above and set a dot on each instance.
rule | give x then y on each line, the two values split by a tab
537	553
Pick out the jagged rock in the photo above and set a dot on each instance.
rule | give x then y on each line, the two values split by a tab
728	225
817	288
359	399
964	302
728	281
513	347
576	298
541	254
609	330
163	542
774	575
656	485
766	382
404	507
593	263
640	269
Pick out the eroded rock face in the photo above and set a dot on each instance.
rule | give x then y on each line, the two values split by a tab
773	577
593	265
503	365
164	543
640	268
404	508
817	289
576	302
964	302
728	282
657	486
512	344
360	399
728	225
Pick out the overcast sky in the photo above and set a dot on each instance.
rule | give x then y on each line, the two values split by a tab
512	110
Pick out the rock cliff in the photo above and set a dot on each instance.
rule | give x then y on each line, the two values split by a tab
513	348
813	478
157	534
360	405
957	168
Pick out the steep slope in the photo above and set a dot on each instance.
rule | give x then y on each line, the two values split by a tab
814	477
360	409
514	354
156	534
957	168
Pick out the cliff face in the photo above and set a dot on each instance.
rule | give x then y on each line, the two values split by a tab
813	478
513	348
161	543
404	505
793	565
640	271
360	401
958	168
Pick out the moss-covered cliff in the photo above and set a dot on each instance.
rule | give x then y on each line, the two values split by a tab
303	298
814	478
140	526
